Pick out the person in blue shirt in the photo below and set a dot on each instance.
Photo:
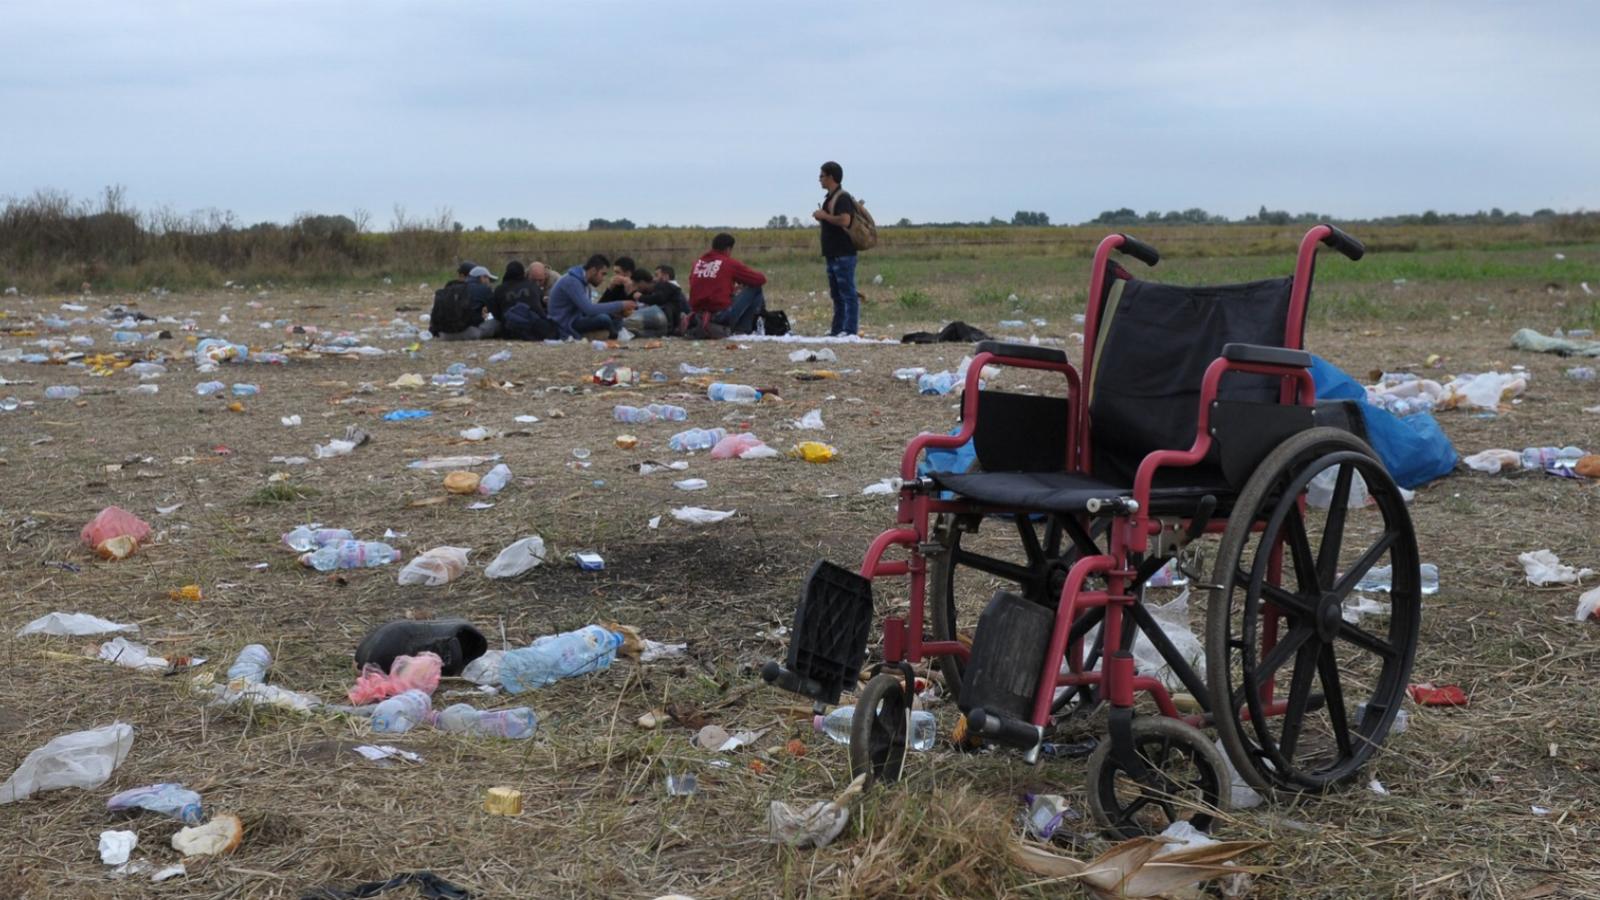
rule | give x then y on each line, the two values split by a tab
573	310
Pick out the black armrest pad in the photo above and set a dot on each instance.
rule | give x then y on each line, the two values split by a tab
1270	356
1025	351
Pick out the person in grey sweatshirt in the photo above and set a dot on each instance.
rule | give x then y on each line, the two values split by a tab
574	313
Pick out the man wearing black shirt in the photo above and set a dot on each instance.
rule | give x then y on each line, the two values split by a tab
837	209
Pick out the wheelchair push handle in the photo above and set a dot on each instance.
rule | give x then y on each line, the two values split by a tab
1139	250
1343	243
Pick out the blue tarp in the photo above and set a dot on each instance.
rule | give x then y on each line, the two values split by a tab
1414	449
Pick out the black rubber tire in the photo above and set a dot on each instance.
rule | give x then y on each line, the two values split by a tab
1154	738
1314	635
878	730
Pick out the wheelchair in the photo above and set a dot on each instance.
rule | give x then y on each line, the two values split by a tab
1193	416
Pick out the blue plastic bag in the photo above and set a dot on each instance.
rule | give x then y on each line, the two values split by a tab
1414	449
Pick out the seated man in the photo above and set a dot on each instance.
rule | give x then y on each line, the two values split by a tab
621	286
667	294
711	284
574	313
518	305
458	309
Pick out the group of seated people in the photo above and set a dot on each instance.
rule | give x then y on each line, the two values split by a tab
601	298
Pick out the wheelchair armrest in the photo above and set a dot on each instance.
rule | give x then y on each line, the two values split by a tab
1266	356
1022	351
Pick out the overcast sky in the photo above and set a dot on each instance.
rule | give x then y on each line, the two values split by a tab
713	113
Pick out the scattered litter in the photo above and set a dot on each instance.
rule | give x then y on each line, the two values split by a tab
654	650
823	355
1544	567
404	415
1427	694
655	522
811	421
335	447
115	846
73	624
1588	605
168	799
440	565
734	446
558	656
80	759
682	785
518	557
381	752
1529	339
502	801
1169	865
690	484
476	433
695	515
420	672
124	652
1377	787
590	562
1046	814
1493	461
220	835
883	486
526	420
453	462
813	451
462	482
817	824
429	886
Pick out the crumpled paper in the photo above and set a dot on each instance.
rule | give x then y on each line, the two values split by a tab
817	824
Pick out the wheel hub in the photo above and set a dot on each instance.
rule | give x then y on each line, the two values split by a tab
1329	616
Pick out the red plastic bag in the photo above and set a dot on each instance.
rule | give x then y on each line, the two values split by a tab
114	522
420	672
1428	695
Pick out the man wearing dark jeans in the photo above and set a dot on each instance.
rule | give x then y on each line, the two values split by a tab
840	252
572	309
711	284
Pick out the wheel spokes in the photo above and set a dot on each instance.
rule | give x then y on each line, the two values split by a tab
1333	528
1359	569
1293	604
1368	641
1333	692
1305	564
1287	646
1294	712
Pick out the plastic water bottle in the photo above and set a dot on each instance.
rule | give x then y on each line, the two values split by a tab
462	718
1581	373
126	337
251	666
304	538
500	357
1405	406
836	725
402	712
554	657
697	439
208	388
63	392
10	404
1402	719
1379	579
936	383
667	413
145	389
733	393
1550	457
172	800
349	555
148	370
494	482
246	390
633	415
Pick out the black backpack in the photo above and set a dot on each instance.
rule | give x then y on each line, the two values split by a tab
523	323
452	309
775	322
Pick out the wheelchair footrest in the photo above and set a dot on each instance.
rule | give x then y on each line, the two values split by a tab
1008	652
1005	730
828	643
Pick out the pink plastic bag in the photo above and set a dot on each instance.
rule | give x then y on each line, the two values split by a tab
734	444
420	672
113	522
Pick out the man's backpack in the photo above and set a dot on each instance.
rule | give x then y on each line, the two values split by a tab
452	309
863	228
523	323
775	322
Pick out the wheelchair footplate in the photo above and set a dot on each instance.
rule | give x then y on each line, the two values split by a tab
1008	652
828	643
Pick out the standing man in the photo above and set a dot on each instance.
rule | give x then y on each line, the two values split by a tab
574	313
839	251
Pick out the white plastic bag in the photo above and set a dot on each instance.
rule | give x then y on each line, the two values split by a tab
695	515
81	759
1544	567
1494	461
441	565
521	556
1173	617
72	624
811	421
124	652
1588	603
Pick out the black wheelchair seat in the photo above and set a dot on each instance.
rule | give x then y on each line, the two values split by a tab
1070	493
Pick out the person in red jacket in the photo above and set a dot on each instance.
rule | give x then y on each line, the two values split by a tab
711	286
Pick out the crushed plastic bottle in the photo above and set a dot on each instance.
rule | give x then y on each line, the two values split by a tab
63	392
145	389
667	412
516	723
500	357
496	481
554	657
1378	579
349	555
733	393
655	412
251	666
696	439
936	383
246	390
1551	457
1402	719
836	725
1581	373
171	800
304	538
402	712
206	389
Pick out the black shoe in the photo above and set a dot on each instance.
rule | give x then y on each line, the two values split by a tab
455	640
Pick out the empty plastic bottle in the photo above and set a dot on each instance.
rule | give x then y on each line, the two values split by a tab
63	392
733	393
667	413
1550	457
517	723
402	712
126	337
936	383
10	404
697	439
172	800
495	482
836	725
500	357
304	538
251	666
148	369
208	388
246	390
554	657
349	555
633	415
1378	579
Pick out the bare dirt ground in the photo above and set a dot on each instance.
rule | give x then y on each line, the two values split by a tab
1460	819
